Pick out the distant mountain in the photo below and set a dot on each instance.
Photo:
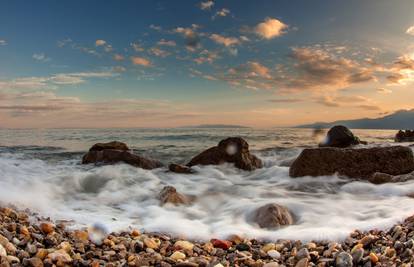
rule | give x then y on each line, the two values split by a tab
402	119
214	126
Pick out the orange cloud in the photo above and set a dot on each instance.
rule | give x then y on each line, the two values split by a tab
141	61
270	28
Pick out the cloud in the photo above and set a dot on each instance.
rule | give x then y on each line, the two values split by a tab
52	82
163	42
141	61
100	42
384	90
207	5
119	57
107	47
359	102
270	28
221	13
410	30
158	52
250	70
401	71
226	41
137	47
206	56
155	27
3	42
191	37
41	57
286	100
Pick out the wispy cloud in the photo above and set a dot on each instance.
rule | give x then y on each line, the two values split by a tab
191	37
158	52
3	42
226	41
41	57
164	42
221	13
207	5
410	30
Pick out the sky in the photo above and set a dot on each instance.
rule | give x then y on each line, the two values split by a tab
262	63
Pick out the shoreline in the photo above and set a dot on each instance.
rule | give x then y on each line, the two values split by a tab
28	239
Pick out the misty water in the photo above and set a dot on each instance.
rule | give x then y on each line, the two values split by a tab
41	170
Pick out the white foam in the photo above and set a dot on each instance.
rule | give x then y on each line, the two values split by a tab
121	196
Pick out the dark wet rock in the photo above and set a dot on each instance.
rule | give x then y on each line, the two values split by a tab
170	195
404	136
340	136
111	145
177	168
232	150
112	156
356	163
381	178
272	216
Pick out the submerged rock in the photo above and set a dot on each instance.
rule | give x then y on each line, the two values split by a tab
232	150
355	163
177	168
381	178
272	216
170	195
340	136
115	152
404	136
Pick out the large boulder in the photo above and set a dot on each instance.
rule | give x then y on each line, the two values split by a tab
115	152
232	150
356	163
272	216
404	136
170	195
340	136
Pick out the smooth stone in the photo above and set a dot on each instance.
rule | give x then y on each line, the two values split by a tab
177	255
271	264
182	244
274	254
302	263
344	259
3	252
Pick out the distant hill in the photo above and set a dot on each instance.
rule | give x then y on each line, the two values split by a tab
402	119
214	126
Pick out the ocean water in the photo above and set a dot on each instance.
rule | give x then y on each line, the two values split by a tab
41	170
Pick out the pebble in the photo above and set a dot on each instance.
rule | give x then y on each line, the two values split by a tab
302	253
35	262
274	254
343	259
357	255
271	264
373	257
152	243
223	244
182	244
177	255
60	255
3	252
47	227
268	246
242	247
302	263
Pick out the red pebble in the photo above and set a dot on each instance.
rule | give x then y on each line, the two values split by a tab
223	244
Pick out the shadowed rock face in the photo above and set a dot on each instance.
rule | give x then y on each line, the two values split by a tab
404	136
356	163
340	136
170	195
111	145
232	150
273	216
115	152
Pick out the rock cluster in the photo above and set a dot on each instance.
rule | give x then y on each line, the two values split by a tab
359	163
115	152
231	150
404	136
26	240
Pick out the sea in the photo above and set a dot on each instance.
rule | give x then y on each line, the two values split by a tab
41	170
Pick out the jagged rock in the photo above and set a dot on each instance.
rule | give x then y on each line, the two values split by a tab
115	152
340	136
404	136
356	163
111	145
170	195
273	216
177	168
232	150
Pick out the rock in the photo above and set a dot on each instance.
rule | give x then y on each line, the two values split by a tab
170	195
47	227
185	245
112	156
271	264
367	240
152	243
60	255
380	178
223	244
302	253
3	252
354	163
340	136
272	216
35	262
231	150
302	263
177	255
268	246
242	247
273	254
357	255
177	168
404	136
110	145
344	259
373	257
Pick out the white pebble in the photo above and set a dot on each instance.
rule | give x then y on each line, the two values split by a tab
274	254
